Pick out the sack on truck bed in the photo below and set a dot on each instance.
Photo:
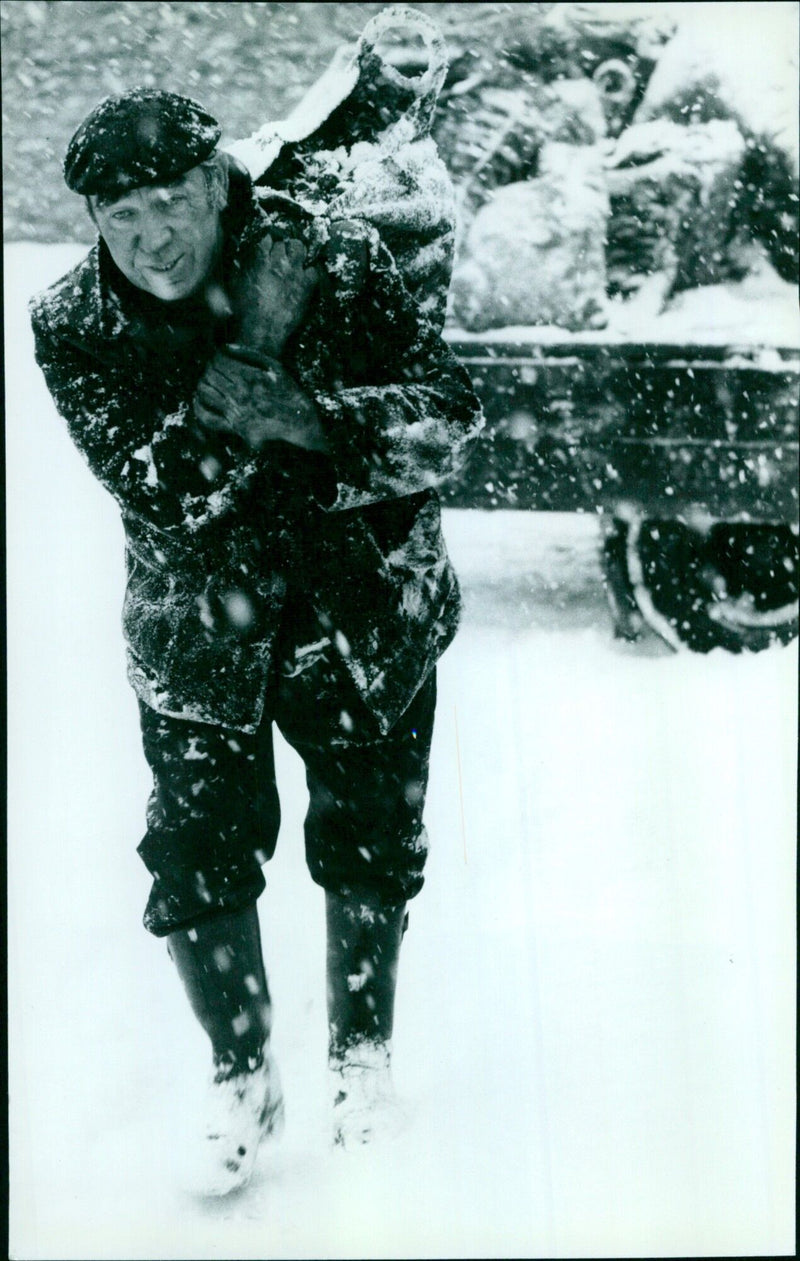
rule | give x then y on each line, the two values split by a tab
535	253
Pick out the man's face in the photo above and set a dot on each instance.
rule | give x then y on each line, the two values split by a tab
165	238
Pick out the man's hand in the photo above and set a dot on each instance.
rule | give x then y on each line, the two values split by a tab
259	403
273	295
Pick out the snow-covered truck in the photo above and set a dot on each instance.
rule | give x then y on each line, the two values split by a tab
625	297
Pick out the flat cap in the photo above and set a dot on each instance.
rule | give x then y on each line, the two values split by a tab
145	136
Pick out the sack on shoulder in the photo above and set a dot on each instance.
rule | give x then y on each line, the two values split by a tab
359	145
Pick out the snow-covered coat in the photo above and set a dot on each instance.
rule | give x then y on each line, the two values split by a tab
215	532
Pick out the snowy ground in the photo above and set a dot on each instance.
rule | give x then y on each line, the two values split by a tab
595	1026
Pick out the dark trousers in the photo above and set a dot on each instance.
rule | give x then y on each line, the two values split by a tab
214	813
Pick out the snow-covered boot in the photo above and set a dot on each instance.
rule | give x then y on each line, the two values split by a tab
242	1109
365	1105
221	966
364	936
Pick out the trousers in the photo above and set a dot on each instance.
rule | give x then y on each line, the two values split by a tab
214	812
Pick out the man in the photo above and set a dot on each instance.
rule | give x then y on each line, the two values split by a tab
271	411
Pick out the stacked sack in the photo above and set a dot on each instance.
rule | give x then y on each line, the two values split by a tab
644	149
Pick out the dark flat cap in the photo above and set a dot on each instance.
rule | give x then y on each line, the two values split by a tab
142	137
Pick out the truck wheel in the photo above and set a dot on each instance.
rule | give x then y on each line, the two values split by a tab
733	586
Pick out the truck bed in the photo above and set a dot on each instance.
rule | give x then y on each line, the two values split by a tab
592	421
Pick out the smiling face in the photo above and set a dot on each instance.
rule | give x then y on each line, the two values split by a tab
165	238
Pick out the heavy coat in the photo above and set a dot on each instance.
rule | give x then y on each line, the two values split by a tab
216	533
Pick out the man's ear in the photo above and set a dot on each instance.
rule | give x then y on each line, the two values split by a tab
218	182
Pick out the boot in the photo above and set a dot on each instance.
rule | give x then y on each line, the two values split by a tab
364	937
221	966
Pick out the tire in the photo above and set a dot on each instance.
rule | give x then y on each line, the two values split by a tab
733	586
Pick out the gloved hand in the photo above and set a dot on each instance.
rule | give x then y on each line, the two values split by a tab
272	296
256	398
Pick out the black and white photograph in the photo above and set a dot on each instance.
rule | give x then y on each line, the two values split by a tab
401	413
